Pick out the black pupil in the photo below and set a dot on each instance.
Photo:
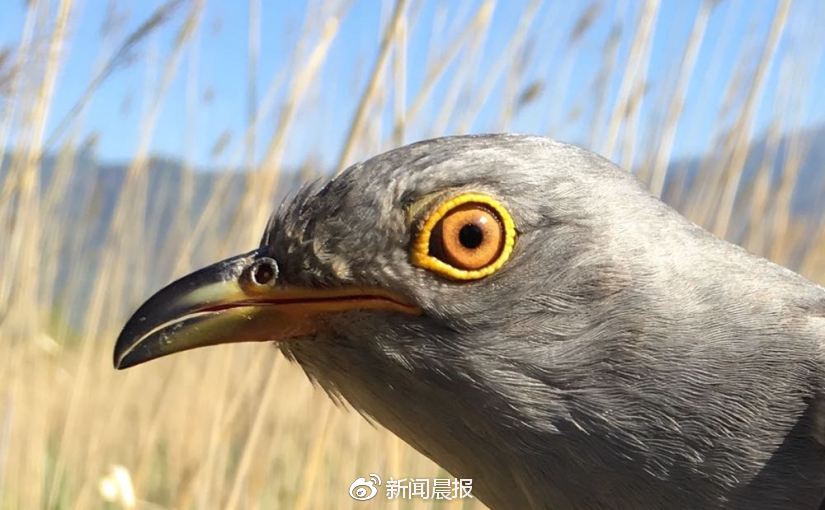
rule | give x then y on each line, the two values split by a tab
471	236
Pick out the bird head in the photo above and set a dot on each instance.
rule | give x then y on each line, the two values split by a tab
457	290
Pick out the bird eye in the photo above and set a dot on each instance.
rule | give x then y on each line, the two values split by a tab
465	238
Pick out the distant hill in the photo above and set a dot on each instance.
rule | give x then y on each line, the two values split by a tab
94	188
89	201
809	195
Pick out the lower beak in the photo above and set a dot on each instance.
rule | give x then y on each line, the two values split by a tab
237	300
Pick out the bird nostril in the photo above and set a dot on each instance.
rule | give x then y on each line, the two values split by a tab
264	271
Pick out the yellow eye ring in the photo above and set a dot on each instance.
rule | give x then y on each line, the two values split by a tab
505	234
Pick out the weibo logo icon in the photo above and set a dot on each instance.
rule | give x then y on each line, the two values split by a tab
363	489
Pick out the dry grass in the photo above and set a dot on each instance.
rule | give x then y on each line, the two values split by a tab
238	427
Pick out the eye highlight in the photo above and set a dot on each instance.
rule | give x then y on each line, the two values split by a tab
465	238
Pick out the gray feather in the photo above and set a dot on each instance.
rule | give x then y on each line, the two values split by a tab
622	358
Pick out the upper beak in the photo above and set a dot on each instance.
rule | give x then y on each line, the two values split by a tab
240	299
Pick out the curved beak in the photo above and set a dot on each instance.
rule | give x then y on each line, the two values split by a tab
239	299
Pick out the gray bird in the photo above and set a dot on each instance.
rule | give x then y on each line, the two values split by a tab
525	314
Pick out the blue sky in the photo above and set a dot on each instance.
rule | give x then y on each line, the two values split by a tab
215	66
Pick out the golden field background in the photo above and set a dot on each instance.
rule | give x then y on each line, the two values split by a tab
238	427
